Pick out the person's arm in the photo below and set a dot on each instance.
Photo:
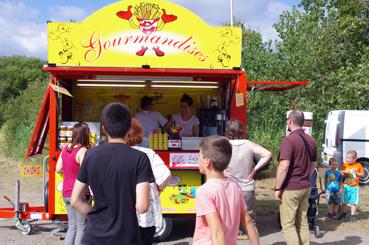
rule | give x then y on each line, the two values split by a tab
196	130
343	169
77	198
162	120
326	181
59	163
281	177
144	178
360	171
142	197
264	155
249	226
164	183
80	155
169	124
312	167
216	227
161	172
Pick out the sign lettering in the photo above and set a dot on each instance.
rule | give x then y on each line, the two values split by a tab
31	170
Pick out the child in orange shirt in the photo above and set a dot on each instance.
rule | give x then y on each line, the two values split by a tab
351	171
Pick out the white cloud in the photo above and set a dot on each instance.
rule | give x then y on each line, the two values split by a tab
269	15
66	13
260	15
17	10
22	34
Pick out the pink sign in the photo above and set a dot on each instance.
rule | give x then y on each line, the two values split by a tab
184	160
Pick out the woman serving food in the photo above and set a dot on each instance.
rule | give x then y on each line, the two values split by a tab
185	121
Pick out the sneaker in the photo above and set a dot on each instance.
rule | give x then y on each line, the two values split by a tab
330	215
352	219
341	216
334	215
242	235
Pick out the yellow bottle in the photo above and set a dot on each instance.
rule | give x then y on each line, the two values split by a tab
156	140
165	142
160	144
151	141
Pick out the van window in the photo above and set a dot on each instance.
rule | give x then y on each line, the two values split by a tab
331	131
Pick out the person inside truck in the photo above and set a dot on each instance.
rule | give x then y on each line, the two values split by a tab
148	118
185	121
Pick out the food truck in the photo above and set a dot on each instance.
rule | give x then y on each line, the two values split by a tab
120	53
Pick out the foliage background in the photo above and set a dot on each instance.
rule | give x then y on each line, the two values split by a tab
22	86
325	42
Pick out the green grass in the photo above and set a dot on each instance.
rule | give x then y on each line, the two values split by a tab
270	139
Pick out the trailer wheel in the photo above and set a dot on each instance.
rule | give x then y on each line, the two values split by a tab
46	196
164	231
25	228
365	179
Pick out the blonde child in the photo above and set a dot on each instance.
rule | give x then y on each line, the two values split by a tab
351	171
219	202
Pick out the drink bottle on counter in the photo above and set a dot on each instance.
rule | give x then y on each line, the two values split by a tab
156	139
174	141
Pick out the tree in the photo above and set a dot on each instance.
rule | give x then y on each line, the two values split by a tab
20	116
325	42
16	72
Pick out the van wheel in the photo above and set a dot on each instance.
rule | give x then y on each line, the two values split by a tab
365	179
164	231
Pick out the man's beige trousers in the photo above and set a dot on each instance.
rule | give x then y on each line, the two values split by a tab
293	210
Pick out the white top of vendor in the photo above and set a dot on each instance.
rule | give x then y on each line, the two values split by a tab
150	120
186	126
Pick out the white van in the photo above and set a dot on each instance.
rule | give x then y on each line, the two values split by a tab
347	130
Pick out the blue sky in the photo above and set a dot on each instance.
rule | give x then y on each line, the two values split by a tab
23	22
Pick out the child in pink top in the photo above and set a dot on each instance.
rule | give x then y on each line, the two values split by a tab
219	202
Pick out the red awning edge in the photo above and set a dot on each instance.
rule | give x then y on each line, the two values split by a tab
38	138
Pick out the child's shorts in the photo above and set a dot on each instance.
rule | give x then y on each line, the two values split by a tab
351	194
333	198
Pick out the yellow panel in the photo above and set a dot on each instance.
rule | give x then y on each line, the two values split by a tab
59	203
179	198
133	33
176	199
34	170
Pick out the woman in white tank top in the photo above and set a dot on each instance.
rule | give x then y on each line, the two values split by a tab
242	167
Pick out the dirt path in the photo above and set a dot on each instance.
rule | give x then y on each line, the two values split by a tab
31	187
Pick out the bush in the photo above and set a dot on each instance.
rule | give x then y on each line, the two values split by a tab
16	72
20	116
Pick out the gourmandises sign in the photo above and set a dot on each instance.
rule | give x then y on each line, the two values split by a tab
134	33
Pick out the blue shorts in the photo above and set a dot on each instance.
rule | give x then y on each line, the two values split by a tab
351	194
333	197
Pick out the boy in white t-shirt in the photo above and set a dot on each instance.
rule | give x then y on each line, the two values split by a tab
148	118
220	207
